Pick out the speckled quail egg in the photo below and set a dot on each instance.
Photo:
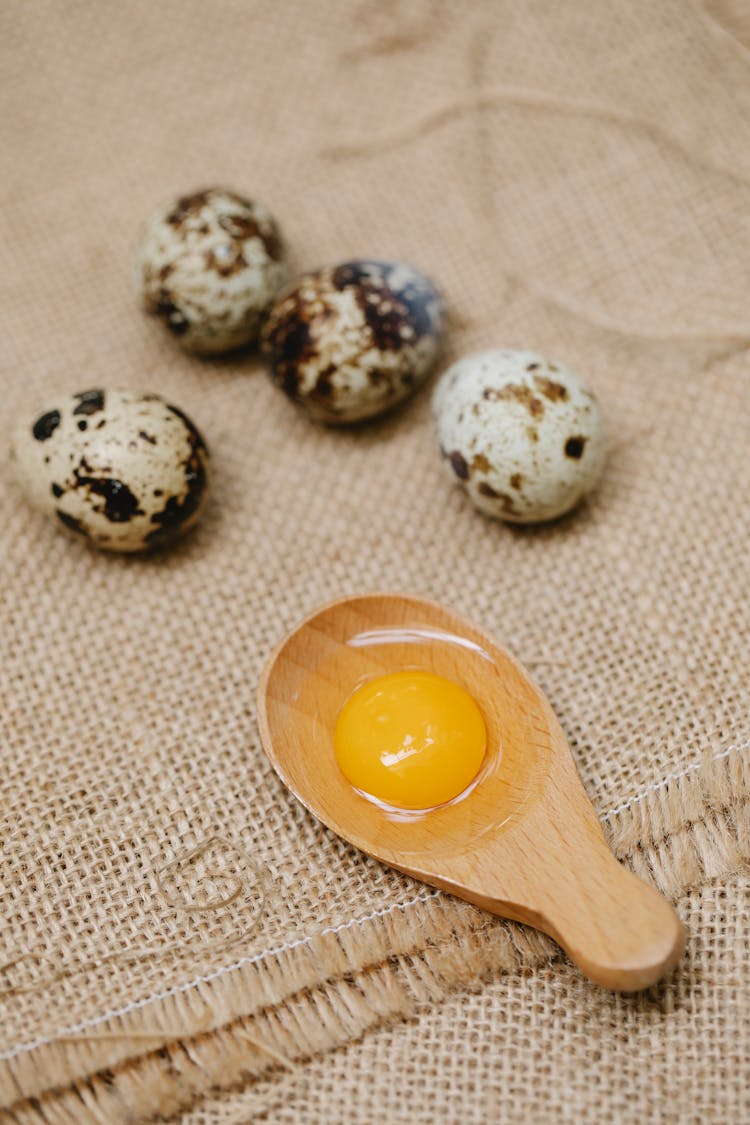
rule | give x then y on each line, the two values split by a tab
523	436
351	341
209	264
124	470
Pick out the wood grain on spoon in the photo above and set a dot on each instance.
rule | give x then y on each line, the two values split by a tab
523	843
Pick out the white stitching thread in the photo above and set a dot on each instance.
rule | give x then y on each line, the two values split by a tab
672	777
287	947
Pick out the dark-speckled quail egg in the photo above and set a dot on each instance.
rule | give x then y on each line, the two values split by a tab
524	437
351	341
209	264
124	470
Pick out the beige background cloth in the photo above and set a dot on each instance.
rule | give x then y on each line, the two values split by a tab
576	178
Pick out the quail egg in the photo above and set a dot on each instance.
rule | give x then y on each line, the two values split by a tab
523	436
124	470
351	341
209	264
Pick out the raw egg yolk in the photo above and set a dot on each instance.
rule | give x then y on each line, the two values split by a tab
410	739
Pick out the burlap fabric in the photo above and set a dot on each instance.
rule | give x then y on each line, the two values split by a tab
519	1051
577	179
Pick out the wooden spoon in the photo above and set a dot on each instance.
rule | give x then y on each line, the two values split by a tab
523	843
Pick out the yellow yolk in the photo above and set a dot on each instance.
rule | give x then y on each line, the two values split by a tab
410	739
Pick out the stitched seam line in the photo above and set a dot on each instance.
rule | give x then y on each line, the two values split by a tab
287	947
670	777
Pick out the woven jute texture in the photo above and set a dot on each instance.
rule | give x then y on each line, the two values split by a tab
576	178
519	1051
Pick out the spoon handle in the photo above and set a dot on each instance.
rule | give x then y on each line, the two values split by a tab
619	930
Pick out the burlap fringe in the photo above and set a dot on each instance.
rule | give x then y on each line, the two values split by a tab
689	830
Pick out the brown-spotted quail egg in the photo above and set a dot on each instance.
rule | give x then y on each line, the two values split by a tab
523	436
124	470
209	264
351	341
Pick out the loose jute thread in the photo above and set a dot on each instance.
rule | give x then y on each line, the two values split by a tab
173	1033
196	853
286	947
138	955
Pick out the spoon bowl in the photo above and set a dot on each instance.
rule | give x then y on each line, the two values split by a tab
522	841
